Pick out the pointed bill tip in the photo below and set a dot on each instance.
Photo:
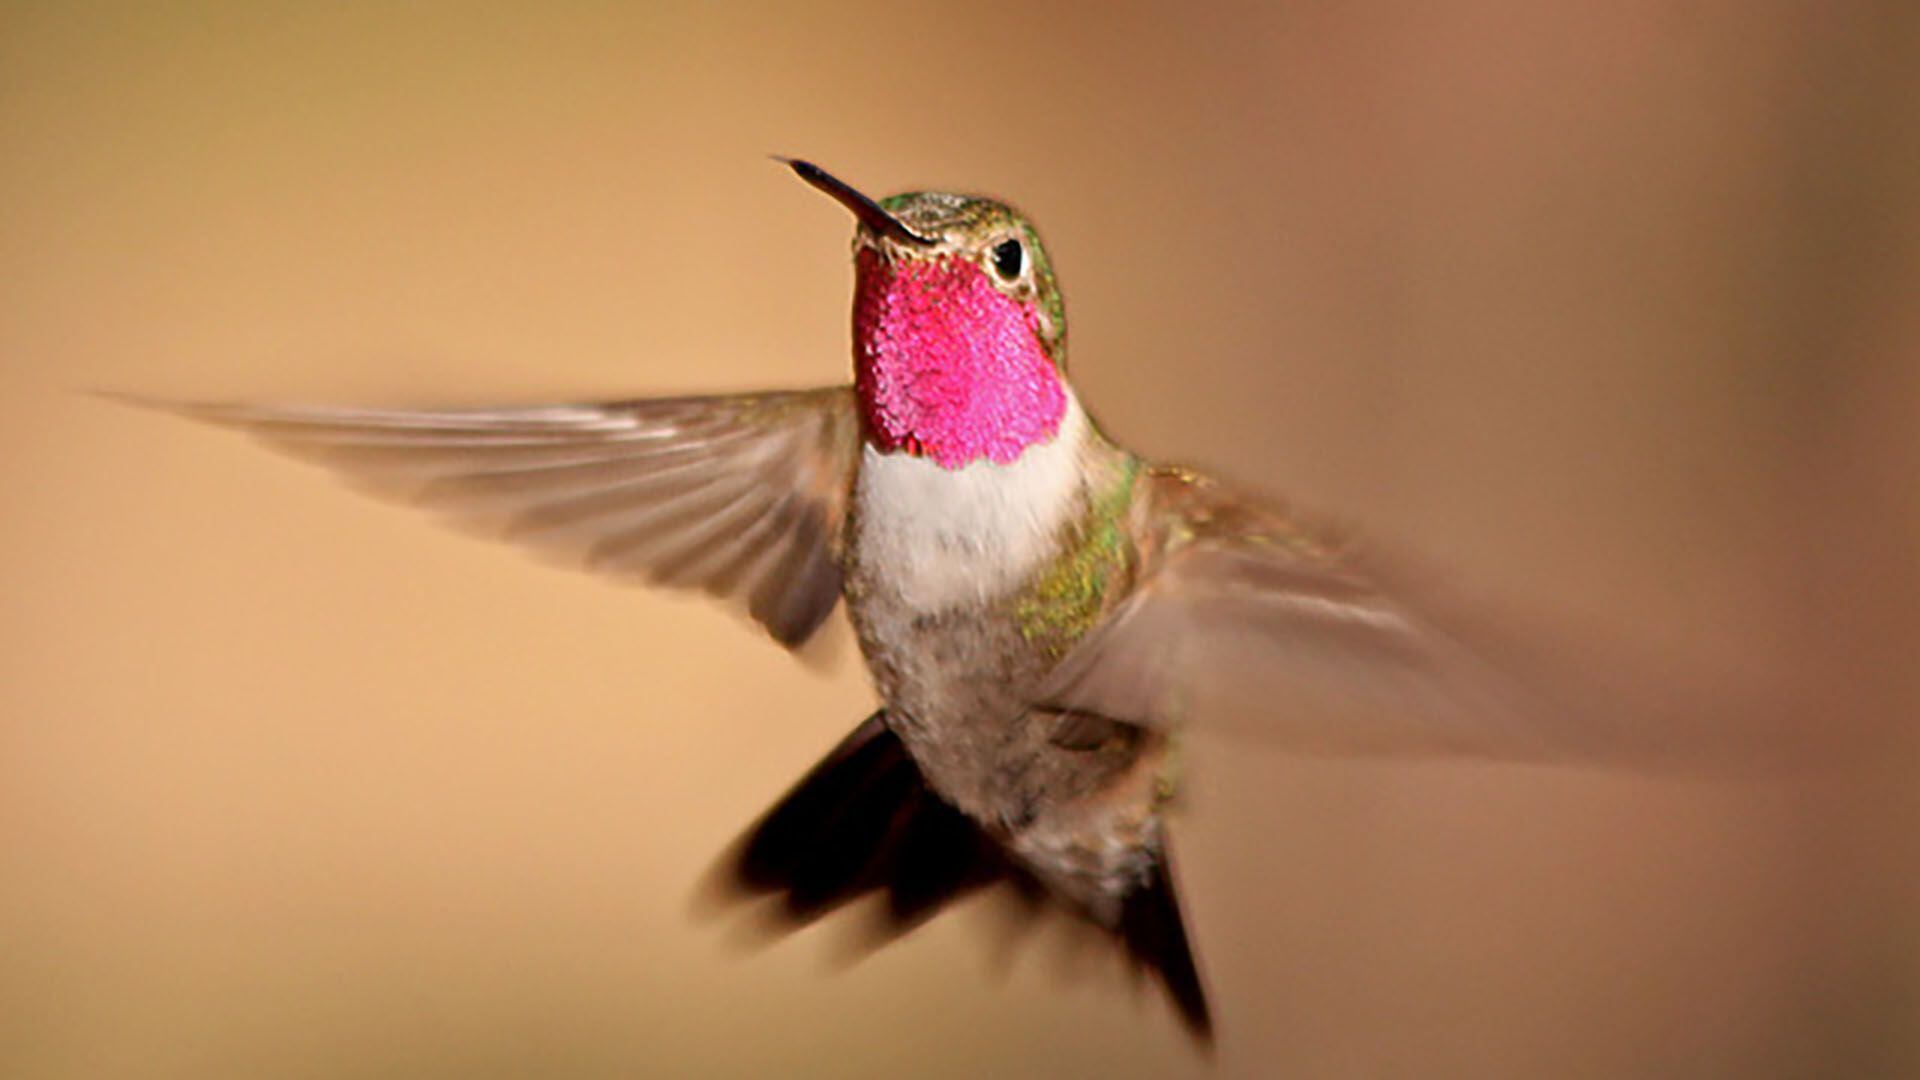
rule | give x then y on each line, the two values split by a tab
868	211
811	173
816	176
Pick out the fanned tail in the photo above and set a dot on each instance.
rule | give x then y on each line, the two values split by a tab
864	821
1156	939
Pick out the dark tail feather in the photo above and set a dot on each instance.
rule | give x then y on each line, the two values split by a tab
864	820
1156	938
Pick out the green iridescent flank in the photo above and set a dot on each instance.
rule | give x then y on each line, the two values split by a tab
1062	604
1166	782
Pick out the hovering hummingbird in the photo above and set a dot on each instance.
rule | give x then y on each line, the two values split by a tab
1035	603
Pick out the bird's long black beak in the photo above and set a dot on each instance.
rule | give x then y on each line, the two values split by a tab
868	211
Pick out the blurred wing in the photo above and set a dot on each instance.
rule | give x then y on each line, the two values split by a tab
1247	610
738	495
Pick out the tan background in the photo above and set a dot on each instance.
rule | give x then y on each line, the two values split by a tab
1609	312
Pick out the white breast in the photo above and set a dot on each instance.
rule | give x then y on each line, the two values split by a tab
943	536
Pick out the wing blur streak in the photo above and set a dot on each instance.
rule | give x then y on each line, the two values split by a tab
1251	611
737	495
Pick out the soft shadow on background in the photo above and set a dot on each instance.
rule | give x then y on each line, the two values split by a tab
1608	312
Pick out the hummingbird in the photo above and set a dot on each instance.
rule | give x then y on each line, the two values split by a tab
1037	605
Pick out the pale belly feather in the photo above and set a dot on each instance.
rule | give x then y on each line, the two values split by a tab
937	558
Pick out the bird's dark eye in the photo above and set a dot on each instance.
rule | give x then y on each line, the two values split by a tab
1009	259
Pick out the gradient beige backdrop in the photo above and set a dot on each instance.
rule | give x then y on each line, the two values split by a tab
1608	311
